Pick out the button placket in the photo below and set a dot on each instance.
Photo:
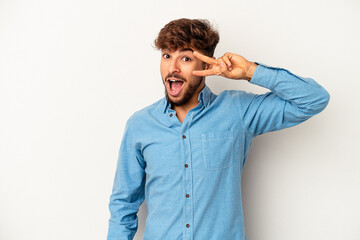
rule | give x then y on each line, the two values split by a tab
187	181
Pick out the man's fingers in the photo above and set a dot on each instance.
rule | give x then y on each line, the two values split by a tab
227	60
222	65
204	58
217	67
204	73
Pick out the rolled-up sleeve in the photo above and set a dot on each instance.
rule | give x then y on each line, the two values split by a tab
128	189
292	100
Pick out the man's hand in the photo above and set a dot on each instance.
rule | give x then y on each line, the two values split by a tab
230	65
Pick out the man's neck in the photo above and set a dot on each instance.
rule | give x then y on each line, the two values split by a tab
185	108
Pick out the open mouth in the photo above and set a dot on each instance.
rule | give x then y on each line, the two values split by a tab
175	86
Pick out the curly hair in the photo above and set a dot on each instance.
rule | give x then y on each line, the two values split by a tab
188	33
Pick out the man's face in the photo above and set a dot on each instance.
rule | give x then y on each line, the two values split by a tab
176	71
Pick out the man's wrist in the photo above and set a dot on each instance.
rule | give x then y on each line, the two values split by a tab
250	71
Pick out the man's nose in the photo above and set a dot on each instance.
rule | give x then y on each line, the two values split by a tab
174	66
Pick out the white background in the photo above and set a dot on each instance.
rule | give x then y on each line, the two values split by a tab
72	72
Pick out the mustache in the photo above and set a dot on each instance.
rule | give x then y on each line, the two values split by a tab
174	75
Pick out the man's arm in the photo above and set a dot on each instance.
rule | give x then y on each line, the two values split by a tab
128	189
292	99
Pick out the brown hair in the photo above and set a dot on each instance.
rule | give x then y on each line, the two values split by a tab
188	33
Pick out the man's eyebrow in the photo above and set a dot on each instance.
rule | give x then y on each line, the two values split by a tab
186	49
181	50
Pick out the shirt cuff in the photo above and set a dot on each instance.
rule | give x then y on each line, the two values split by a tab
264	75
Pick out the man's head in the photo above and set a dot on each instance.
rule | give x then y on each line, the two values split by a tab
177	40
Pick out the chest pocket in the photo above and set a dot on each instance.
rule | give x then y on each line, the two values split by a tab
217	149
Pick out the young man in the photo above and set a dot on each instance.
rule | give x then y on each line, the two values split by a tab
192	144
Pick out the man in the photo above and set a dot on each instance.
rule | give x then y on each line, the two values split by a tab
192	144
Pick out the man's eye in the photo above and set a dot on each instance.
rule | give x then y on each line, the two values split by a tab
166	55
186	59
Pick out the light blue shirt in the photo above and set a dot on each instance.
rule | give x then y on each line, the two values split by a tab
193	169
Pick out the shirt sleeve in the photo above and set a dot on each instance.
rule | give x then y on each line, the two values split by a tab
128	189
292	100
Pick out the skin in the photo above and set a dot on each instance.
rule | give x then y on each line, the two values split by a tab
192	67
230	65
180	64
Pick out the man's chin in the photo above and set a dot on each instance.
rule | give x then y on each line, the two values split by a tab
175	101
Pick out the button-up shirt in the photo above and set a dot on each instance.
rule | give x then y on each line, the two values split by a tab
189	173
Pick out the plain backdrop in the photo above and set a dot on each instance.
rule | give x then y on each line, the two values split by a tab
72	72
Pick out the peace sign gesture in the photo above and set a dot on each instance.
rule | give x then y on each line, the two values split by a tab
230	65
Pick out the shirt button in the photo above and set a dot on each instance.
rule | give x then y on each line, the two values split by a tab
187	195
186	165
184	136
187	225
171	115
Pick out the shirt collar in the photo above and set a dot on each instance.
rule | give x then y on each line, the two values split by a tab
204	96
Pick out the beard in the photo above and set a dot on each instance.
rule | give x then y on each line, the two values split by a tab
187	93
